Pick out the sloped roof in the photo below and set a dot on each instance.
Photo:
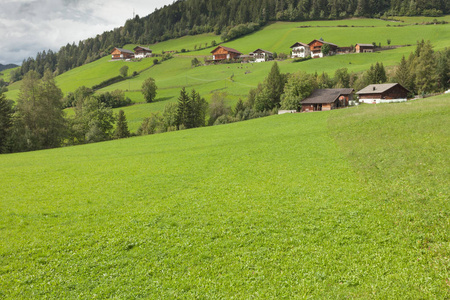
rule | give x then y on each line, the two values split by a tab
226	48
323	42
326	95
366	45
378	88
261	50
299	43
143	48
124	50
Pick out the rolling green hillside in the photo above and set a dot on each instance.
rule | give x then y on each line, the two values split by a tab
236	79
350	203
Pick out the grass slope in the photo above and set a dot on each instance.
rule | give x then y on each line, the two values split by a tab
347	203
235	79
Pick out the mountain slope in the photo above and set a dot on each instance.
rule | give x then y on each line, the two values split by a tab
285	206
8	66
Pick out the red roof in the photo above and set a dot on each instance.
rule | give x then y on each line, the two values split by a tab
226	48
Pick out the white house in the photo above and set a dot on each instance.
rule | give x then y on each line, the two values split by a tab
260	55
142	52
300	50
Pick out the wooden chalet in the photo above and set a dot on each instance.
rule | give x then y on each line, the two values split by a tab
327	99
119	53
383	93
300	50
223	53
142	52
316	48
260	55
362	48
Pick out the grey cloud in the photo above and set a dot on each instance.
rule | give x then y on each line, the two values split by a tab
31	26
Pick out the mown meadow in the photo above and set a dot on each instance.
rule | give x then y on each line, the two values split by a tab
348	203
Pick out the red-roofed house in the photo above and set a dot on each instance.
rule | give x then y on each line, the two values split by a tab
316	48
119	53
223	53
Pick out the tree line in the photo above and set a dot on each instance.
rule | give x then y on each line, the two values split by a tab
228	18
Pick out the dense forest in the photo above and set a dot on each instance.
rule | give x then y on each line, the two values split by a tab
189	17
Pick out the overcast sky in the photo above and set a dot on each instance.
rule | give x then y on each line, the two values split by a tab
31	26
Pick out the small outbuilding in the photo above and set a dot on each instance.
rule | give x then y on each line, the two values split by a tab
119	53
327	99
300	50
260	55
224	53
383	93
362	48
142	52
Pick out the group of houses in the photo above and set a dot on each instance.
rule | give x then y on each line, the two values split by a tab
328	99
221	53
124	54
314	49
298	50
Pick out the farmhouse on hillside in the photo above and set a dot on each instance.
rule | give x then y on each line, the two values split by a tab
362	48
316	48
300	50
119	53
383	93
223	53
142	52
327	99
260	55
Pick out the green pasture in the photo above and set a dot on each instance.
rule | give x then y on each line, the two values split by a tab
236	79
421	19
350	203
5	74
186	42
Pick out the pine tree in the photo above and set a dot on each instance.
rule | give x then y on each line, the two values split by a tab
6	121
273	86
198	110
183	110
425	70
121	130
239	107
402	74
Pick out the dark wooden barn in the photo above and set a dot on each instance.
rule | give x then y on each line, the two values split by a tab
383	93
327	99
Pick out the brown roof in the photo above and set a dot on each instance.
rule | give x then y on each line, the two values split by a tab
378	88
301	44
143	48
124	50
226	48
326	95
323	42
261	50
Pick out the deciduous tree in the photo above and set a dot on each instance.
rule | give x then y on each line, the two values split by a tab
149	89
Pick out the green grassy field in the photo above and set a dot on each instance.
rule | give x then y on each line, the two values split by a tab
350	203
235	79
